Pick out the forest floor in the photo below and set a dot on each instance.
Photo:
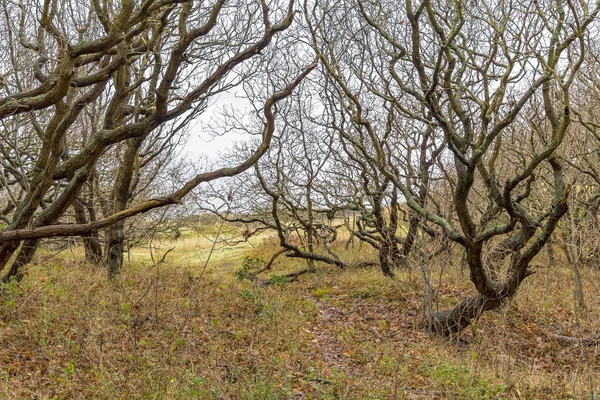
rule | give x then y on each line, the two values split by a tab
171	331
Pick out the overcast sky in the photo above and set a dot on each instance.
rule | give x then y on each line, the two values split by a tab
202	142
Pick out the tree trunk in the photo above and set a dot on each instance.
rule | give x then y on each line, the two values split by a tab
385	258
411	234
24	257
6	252
114	255
388	249
551	253
452	322
91	244
121	194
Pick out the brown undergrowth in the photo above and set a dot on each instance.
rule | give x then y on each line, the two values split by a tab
167	333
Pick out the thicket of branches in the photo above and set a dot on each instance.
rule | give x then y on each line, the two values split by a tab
97	98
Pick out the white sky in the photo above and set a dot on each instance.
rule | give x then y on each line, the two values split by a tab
204	144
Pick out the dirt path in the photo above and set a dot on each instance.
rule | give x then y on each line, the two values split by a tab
328	347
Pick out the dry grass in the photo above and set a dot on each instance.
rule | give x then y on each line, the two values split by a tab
65	332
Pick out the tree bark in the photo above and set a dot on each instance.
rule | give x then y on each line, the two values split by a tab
24	257
385	258
451	322
121	195
91	243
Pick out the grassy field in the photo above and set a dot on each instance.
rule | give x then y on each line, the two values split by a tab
170	331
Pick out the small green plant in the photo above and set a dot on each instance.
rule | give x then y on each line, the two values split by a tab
250	268
68	370
249	295
278	280
459	380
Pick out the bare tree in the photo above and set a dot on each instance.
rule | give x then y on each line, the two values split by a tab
153	63
476	69
290	191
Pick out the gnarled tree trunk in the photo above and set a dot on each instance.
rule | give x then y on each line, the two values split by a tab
115	237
